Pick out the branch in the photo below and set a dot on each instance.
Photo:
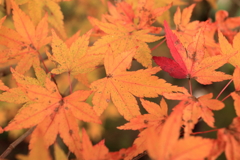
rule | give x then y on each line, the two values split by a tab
16	142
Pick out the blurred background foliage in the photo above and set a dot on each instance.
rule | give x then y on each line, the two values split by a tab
75	18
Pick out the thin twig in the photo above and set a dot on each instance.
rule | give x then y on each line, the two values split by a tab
213	130
158	44
226	97
16	142
224	88
70	83
190	85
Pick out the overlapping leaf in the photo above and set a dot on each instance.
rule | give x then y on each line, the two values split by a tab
140	18
230	137
73	58
37	8
98	151
155	119
196	108
167	144
160	144
26	41
158	6
123	39
190	62
121	86
46	108
228	49
236	95
227	24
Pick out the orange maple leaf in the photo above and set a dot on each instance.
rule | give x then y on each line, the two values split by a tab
159	144
26	41
157	115
98	151
122	39
230	137
37	9
227	24
228	48
167	145
46	108
155	119
236	94
157	6
185	29
72	56
140	18
121	86
196	108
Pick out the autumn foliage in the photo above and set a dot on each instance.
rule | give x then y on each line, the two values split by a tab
39	54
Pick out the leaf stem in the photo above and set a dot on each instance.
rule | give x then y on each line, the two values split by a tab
190	85
205	131
45	67
224	88
70	83
158	44
226	97
16	142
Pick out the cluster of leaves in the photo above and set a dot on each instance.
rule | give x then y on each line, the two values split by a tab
124	36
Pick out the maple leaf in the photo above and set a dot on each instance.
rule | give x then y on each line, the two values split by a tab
140	18
186	149
168	135
26	41
230	137
190	62
167	145
72	57
36	10
46	108
123	39
196	108
185	29
236	95
121	86
155	118
158	5
182	20
98	151
122	13
226	24
157	115
227	48
147	15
